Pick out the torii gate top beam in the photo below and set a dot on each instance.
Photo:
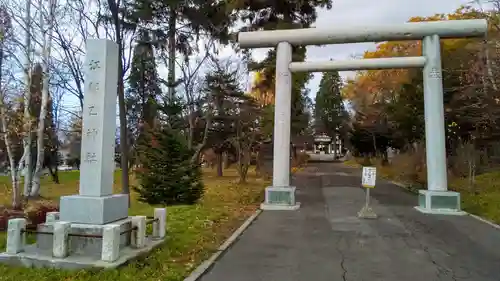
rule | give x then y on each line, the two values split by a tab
360	34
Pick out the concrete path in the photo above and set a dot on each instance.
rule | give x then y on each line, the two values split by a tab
321	157
325	240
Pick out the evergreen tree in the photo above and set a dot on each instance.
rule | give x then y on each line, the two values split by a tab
143	92
73	142
176	26
144	89
329	111
171	110
223	88
52	143
167	176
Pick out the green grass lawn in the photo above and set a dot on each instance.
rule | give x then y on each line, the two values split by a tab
352	163
193	232
484	200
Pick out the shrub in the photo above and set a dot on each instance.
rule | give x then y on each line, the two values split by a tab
300	159
410	167
166	174
6	214
365	161
34	213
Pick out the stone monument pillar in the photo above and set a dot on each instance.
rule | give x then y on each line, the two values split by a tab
96	203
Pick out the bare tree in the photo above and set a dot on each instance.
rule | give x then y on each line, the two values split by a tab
47	46
7	131
117	21
27	100
490	43
247	134
20	56
5	31
78	20
192	82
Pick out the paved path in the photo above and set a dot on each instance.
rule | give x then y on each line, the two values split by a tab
321	157
324	240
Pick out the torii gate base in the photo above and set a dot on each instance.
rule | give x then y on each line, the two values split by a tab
436	199
280	198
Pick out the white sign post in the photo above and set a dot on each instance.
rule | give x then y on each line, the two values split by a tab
368	181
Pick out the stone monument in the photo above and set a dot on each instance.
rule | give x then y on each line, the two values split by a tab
93	228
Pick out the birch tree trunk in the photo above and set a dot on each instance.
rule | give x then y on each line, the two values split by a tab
14	175
40	144
16	202
27	100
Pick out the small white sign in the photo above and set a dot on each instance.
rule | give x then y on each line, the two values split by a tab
369	177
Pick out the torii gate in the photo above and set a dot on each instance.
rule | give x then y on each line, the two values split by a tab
436	199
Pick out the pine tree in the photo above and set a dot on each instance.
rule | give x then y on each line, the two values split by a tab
144	88
223	87
329	111
51	155
143	92
167	176
176	26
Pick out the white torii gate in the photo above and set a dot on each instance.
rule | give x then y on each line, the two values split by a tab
437	198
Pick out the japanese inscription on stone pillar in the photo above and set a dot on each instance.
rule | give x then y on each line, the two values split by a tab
99	118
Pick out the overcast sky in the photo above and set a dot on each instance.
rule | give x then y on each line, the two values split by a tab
365	12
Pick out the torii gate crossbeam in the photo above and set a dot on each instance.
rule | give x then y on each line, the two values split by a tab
437	198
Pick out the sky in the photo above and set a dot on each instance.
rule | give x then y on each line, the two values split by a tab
363	12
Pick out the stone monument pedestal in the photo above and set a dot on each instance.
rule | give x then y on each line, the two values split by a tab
90	241
94	210
93	228
61	244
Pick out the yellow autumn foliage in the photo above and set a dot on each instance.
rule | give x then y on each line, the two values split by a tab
369	87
